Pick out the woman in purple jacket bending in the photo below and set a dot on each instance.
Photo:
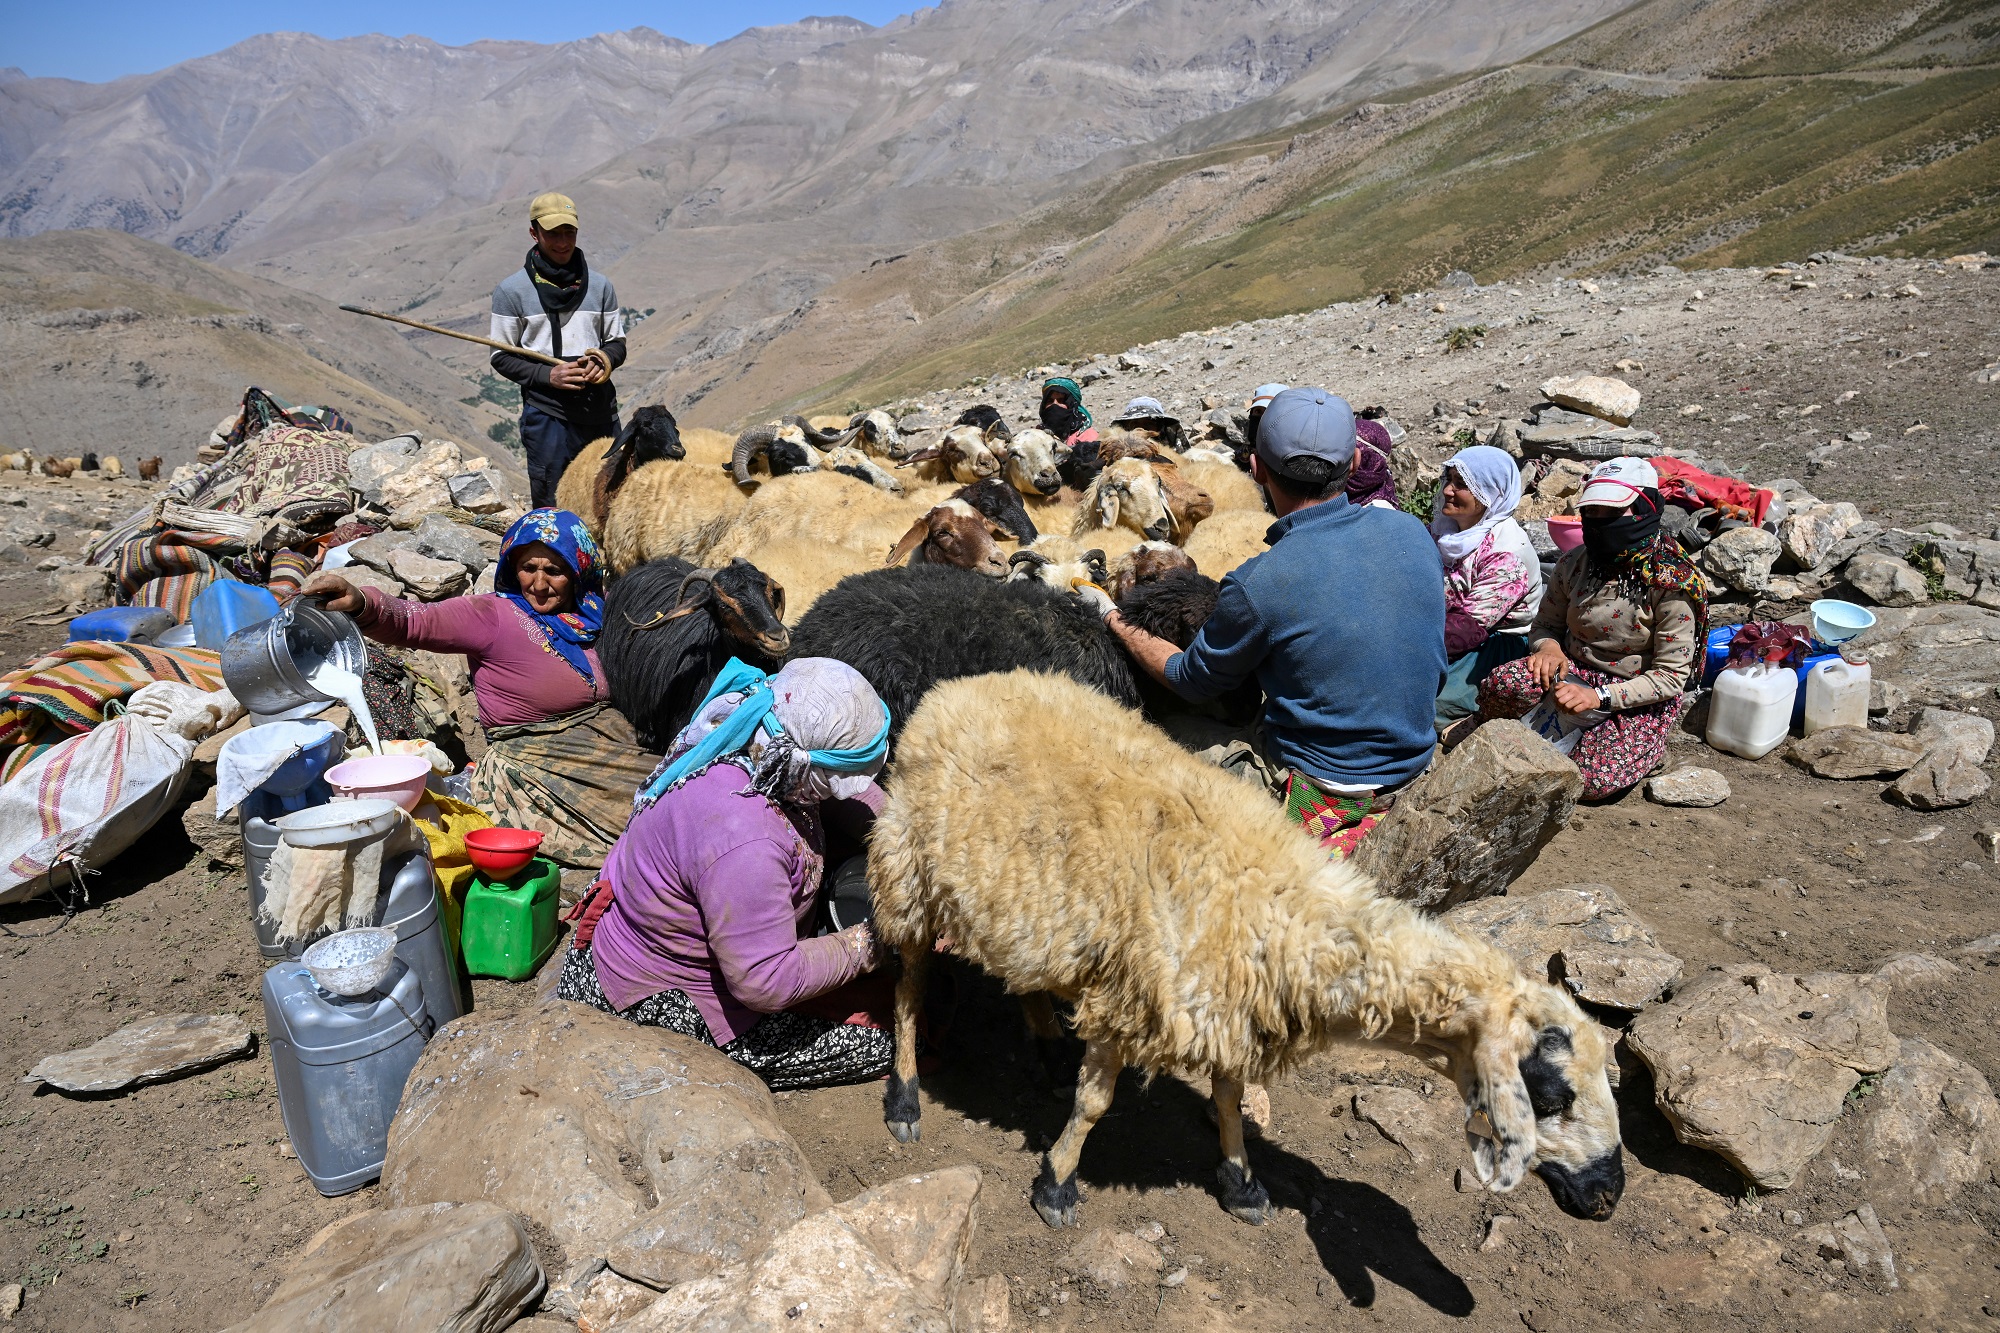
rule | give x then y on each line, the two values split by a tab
712	889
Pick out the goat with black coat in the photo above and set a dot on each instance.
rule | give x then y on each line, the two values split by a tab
1174	606
670	627
1002	506
907	630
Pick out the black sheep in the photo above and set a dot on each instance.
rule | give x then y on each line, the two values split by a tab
997	499
1174	607
1080	464
986	417
669	627
906	630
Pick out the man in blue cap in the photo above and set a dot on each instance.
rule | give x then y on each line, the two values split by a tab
1341	623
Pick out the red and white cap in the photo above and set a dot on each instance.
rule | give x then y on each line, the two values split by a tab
1618	482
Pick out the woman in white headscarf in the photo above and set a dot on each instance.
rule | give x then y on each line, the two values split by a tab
706	919
1492	576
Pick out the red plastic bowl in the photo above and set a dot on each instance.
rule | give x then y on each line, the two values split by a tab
500	852
1566	532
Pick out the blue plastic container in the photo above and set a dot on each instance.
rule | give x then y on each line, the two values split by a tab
226	606
122	624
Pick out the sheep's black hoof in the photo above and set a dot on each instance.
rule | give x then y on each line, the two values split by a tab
900	1109
1056	1203
1242	1196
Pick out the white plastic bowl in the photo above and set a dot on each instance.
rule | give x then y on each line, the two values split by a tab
352	962
1835	621
338	823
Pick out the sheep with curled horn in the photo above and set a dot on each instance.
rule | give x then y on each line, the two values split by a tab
670	627
1194	928
907	630
784	447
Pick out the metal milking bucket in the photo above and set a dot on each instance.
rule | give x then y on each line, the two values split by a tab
268	666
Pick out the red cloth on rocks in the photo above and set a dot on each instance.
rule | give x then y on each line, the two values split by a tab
1691	488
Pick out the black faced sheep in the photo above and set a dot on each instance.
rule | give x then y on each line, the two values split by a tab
987	420
1193	927
784	447
651	435
669	627
905	630
1001	504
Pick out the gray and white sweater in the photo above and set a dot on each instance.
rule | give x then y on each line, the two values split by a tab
519	319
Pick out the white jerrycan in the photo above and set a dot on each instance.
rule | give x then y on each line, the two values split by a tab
1836	696
1750	711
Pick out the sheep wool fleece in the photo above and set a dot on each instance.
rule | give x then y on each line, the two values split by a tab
1341	623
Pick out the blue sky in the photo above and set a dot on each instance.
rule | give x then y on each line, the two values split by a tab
111	38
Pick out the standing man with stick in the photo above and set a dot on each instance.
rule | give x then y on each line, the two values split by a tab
556	306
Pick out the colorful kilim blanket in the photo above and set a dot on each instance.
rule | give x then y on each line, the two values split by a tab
169	569
1338	822
70	689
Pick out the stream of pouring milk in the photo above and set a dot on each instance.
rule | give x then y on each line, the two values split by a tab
339	683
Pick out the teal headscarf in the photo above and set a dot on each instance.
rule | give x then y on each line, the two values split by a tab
743	703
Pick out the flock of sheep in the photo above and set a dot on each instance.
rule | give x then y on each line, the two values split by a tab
107	466
1185	921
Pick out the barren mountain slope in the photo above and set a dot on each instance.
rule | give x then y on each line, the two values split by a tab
122	346
1547	164
723	186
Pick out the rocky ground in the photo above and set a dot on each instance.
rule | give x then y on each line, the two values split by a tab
176	1205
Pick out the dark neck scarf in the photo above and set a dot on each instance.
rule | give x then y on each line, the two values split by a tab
561	287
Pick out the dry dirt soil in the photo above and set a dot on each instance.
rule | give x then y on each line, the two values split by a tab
174	1206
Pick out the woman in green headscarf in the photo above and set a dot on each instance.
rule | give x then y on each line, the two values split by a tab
1065	417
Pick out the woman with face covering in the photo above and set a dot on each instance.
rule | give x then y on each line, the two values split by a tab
703	921
560	759
1492	576
1064	416
1619	635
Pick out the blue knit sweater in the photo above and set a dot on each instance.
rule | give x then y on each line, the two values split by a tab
1341	623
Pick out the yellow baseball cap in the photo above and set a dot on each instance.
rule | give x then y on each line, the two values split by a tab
552	210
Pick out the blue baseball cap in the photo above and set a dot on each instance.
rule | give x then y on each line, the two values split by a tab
1306	423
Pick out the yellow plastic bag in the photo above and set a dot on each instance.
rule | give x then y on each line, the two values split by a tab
446	835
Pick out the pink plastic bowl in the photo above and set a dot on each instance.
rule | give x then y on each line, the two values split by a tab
1566	533
500	852
393	777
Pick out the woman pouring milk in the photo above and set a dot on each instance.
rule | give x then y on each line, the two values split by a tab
562	761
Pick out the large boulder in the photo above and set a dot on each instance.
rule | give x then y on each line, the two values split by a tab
1847	753
1930	1128
649	1148
1612	400
1471	825
1944	653
461	1266
1756	1065
441	539
1949	774
892	1257
1809	535
1741	558
447	1265
428	579
404	476
1885	580
1582	936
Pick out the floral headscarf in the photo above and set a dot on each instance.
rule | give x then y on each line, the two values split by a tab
565	633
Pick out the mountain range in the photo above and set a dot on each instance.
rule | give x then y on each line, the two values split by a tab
824	212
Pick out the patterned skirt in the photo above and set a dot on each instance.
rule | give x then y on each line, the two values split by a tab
787	1050
572	779
1614	754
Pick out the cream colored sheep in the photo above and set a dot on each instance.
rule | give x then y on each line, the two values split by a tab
1194	928
1228	485
110	468
1228	539
16	462
576	491
805	568
671	508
